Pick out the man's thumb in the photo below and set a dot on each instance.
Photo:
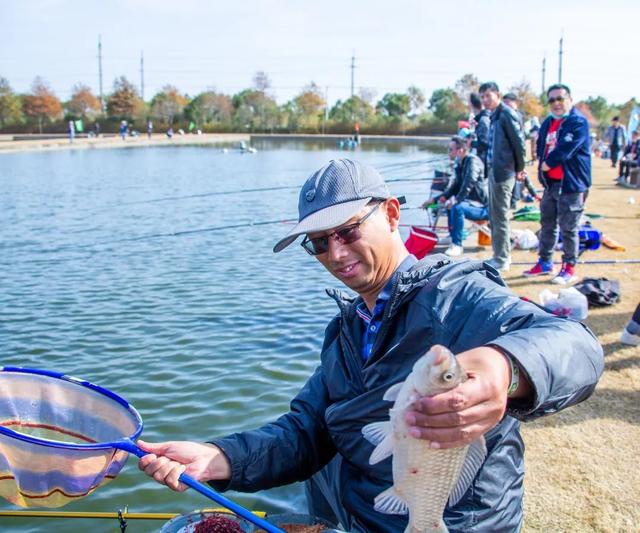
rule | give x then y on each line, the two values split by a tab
158	448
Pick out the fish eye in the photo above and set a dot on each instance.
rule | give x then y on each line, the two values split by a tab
447	376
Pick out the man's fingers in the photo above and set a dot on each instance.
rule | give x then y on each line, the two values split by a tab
452	437
173	479
451	418
454	400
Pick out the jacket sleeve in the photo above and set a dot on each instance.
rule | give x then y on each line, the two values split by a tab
569	140
472	171
514	133
482	134
290	449
560	357
454	187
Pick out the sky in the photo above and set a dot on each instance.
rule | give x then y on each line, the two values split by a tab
196	45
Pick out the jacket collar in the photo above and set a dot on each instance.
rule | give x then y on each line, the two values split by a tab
406	282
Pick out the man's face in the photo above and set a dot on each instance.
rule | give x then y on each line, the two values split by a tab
560	102
364	265
490	99
453	151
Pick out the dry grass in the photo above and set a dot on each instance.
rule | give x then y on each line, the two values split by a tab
582	464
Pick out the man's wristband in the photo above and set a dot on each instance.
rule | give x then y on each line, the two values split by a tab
515	377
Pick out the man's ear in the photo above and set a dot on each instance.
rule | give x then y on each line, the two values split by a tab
393	213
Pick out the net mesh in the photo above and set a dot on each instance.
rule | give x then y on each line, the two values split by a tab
56	436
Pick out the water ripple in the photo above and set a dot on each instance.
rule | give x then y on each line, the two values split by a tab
207	333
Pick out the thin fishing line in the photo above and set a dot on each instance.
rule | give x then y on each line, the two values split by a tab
401	166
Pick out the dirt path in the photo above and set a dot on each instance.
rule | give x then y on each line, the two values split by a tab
582	464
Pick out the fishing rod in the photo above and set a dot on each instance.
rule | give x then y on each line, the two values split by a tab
221	228
590	262
110	515
281	187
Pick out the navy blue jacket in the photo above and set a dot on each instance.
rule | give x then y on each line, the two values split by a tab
461	305
572	151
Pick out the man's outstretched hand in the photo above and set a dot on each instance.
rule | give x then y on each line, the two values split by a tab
167	460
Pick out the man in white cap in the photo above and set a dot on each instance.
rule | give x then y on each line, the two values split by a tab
521	361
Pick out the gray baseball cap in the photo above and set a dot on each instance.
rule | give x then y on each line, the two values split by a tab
332	195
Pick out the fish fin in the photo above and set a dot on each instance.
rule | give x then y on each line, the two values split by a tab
476	454
392	392
382	450
376	432
389	502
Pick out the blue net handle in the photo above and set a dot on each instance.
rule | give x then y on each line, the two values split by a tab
129	446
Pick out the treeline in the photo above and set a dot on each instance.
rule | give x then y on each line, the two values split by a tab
256	110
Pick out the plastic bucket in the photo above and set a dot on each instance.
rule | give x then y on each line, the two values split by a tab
420	241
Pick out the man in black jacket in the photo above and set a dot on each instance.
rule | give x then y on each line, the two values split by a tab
521	361
505	162
466	196
482	126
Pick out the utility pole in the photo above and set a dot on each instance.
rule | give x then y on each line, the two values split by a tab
353	68
142	75
100	71
560	60
544	71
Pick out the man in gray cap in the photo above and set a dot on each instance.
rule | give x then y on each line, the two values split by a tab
521	362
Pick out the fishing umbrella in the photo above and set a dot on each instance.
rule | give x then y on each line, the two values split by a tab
61	438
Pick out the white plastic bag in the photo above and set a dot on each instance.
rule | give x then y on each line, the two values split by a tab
524	239
570	302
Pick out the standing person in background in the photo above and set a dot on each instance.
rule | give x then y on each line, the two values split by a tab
512	101
522	181
149	128
564	152
482	125
616	136
533	137
72	130
631	332
505	162
123	129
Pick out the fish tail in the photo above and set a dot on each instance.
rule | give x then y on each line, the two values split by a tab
439	528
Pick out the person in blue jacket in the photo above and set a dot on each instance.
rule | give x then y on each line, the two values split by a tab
522	362
564	155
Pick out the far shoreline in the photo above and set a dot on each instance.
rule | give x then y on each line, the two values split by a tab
61	142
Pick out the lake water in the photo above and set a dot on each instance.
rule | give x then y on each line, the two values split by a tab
204	332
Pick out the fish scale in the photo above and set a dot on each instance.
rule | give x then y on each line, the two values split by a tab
424	477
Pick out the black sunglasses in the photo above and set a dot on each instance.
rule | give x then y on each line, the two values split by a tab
556	99
345	235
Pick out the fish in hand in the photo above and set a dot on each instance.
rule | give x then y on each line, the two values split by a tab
425	479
